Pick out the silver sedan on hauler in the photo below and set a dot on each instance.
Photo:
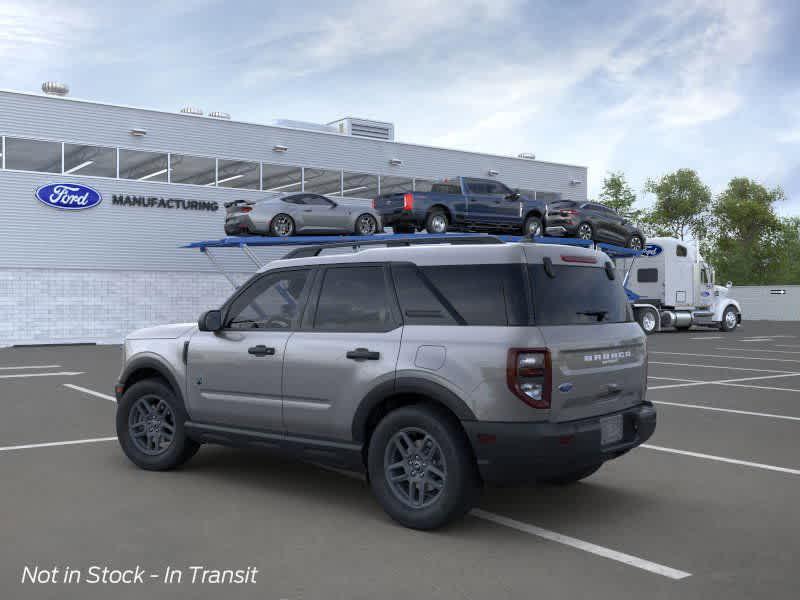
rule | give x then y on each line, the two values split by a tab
286	214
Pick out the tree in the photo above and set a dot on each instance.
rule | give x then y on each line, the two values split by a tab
618	195
681	207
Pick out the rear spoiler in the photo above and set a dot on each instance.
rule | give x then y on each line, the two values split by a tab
238	203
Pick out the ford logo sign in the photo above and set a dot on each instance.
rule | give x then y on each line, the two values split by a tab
68	196
652	250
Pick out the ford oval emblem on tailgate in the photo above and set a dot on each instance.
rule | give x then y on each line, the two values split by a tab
565	387
68	196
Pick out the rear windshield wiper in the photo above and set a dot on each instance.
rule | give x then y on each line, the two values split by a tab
600	314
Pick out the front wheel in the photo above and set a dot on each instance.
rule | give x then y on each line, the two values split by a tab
366	225
436	222
150	426
533	227
281	226
729	319
421	468
647	319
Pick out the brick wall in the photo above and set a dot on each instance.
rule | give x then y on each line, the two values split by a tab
47	306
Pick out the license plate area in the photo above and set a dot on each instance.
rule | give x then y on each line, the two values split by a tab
611	430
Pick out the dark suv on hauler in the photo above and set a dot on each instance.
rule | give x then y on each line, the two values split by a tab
435	369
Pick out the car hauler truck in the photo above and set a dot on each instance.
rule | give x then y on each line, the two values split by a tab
671	286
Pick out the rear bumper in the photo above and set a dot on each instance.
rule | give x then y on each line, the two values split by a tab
400	217
520	452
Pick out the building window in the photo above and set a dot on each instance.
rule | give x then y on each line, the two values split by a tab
33	155
360	185
238	174
281	178
396	185
323	181
195	170
90	160
144	166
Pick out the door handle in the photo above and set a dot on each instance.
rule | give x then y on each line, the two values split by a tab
308	210
261	350
363	354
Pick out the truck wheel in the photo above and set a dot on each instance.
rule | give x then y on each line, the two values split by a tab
585	231
647	319
571	476
150	426
729	319
533	227
436	222
421	468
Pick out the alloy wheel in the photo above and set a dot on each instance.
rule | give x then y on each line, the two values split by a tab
366	225
649	321
151	425
635	243
534	228
585	231
730	319
282	226
439	224
415	468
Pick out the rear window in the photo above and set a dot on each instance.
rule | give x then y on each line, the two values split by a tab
446	188
577	295
492	295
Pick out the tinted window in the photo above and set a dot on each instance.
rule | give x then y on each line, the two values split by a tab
144	166
295	199
680	251
280	178
420	302
647	275
197	170
445	188
577	295
360	185
90	160
477	294
353	299
318	200
396	185
323	181
477	187
33	155
270	302
497	188
238	174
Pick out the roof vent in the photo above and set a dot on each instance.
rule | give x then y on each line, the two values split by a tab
527	155
54	88
219	115
292	124
192	110
376	130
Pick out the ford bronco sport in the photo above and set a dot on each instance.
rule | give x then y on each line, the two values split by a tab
434	369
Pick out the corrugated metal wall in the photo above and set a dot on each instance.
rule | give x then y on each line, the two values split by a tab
766	302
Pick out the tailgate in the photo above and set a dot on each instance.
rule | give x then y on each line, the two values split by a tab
389	203
597	369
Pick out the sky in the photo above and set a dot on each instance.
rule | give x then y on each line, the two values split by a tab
641	87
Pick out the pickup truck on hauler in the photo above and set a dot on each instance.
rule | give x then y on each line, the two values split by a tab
463	204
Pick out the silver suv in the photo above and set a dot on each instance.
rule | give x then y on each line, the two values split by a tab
434	369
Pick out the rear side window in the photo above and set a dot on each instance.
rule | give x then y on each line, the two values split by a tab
492	295
647	275
577	295
354	299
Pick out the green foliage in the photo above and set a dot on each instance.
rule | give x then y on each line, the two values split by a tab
681	207
618	195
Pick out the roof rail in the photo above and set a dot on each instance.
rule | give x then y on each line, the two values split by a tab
395	241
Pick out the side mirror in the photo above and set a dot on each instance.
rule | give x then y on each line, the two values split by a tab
515	195
729	285
211	320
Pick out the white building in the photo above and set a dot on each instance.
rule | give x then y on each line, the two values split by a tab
92	275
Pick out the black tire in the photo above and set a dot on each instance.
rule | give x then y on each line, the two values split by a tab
276	225
647	319
460	488
437	221
533	223
635	242
366	224
403	228
166	456
571	476
728	323
582	228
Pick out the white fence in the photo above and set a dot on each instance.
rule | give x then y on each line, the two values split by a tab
768	302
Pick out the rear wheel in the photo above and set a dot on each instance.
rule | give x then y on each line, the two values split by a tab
421	468
729	319
585	231
635	242
647	319
281	226
150	426
571	476
366	225
437	221
533	227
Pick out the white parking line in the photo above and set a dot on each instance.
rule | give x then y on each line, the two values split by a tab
761	350
655	362
728	410
761	387
51	444
30	367
19	375
732	461
707	337
723	381
627	559
90	392
674	379
792	360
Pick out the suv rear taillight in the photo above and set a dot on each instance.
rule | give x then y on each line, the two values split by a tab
408	201
529	375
